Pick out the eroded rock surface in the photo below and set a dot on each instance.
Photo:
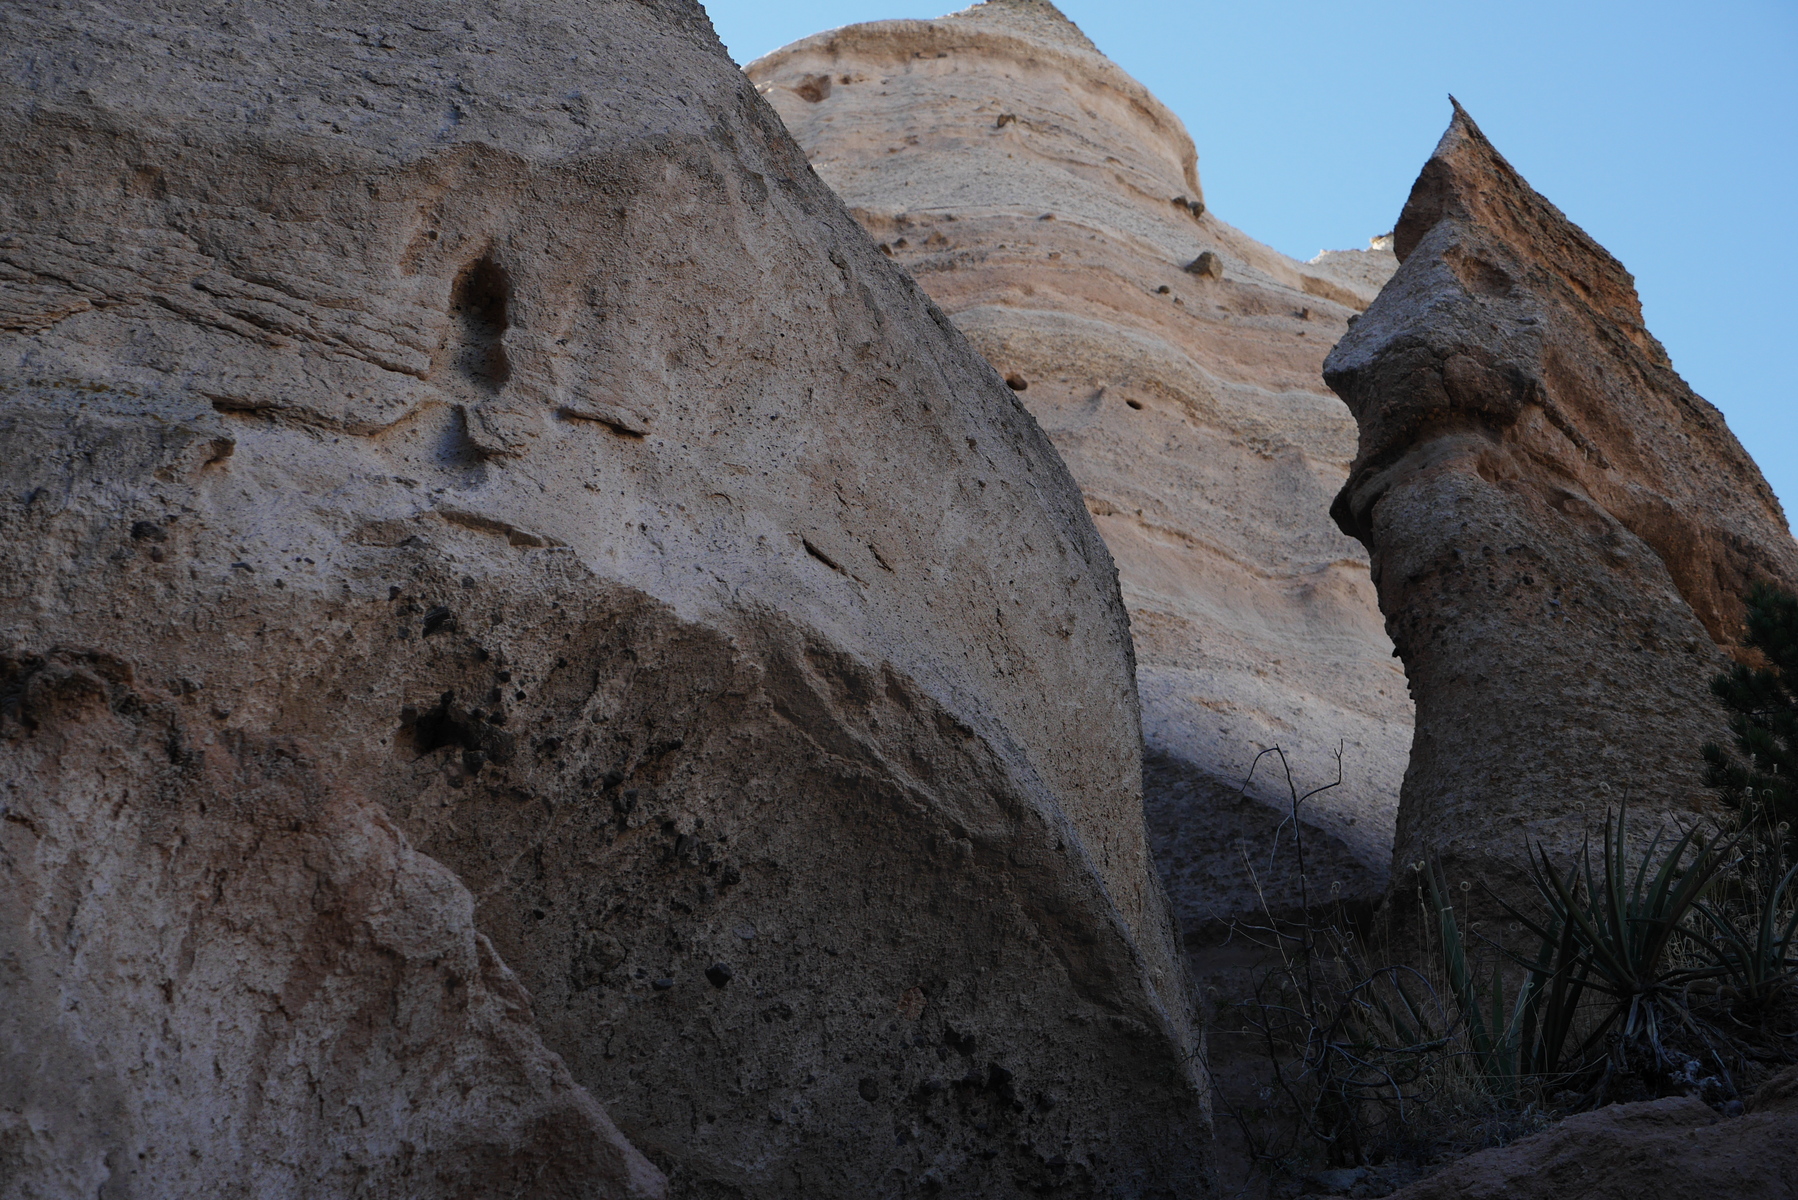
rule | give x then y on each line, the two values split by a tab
228	973
1674	1147
1561	531
466	479
1052	206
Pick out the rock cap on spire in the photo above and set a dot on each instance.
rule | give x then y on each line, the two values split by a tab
1036	19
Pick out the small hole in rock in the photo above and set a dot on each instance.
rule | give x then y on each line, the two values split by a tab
479	302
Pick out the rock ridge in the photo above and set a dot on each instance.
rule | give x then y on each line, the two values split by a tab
1560	529
517	617
1052	206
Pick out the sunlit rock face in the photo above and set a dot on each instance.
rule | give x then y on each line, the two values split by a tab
511	604
1562	532
1052	207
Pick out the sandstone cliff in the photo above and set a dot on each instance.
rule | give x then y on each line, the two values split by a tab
472	497
1052	206
1561	531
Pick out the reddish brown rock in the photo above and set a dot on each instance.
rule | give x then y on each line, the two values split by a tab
1561	531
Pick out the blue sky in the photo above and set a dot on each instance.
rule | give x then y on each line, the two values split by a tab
1668	131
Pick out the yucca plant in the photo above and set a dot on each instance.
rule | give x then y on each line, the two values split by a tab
1524	1039
1620	925
1604	933
1754	959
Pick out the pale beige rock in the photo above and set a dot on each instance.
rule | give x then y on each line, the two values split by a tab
1562	532
480	436
1052	206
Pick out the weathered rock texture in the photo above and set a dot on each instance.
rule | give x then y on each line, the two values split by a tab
1561	531
467	479
1675	1147
1052	206
228	974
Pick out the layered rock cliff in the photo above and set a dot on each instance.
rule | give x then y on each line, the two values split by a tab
1561	531
476	503
1052	207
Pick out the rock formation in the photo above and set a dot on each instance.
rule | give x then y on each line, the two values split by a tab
228	973
1052	207
1561	531
473	498
1673	1147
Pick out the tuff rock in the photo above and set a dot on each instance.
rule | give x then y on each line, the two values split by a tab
475	503
1052	207
1561	531
1673	1147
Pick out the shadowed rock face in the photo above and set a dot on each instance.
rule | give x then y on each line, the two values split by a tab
1672	1147
1561	530
474	500
228	973
1052	206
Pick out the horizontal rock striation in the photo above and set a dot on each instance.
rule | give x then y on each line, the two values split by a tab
1561	531
476	503
1052	206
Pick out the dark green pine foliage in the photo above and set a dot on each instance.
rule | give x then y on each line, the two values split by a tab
1763	702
